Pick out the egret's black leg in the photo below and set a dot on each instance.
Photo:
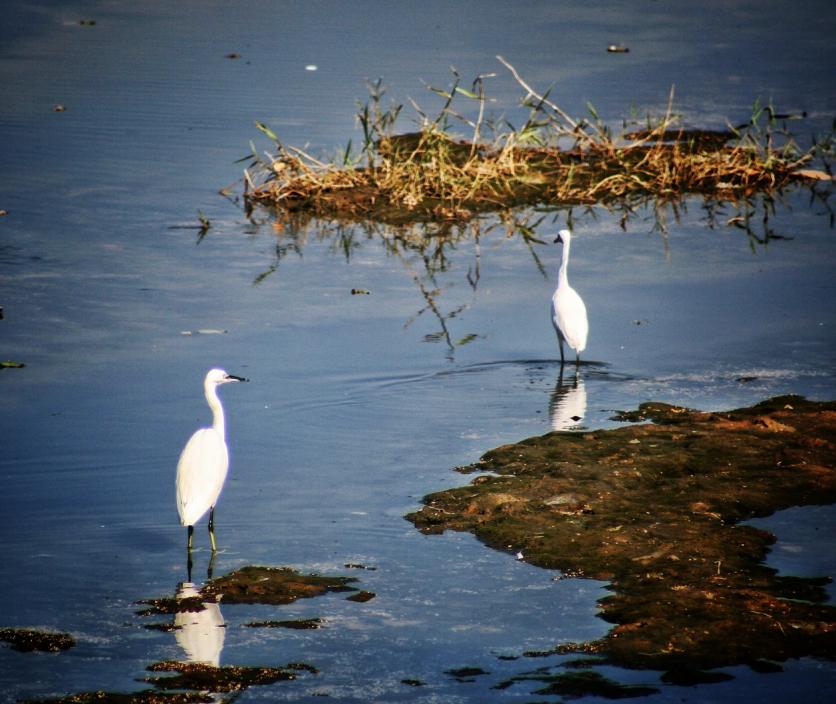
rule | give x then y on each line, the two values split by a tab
190	533
212	528
189	565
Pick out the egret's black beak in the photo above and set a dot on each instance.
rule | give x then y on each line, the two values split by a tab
232	377
558	239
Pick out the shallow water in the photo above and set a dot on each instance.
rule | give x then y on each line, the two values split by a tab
356	408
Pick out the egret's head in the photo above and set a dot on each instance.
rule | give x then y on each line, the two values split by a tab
219	376
563	236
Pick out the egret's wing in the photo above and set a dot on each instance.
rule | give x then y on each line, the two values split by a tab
569	317
201	472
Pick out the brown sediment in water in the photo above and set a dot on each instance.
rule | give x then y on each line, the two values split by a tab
27	640
656	509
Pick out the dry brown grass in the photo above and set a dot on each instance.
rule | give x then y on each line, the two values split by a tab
551	160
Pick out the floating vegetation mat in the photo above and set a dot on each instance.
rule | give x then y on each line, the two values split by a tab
656	509
553	159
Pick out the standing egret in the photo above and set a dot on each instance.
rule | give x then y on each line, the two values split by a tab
568	309
201	471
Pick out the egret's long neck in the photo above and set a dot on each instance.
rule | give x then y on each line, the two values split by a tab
562	275
214	402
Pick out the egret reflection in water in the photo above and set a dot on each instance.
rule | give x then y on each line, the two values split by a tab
199	633
567	405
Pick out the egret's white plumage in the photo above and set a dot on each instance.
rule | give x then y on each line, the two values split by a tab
204	462
568	310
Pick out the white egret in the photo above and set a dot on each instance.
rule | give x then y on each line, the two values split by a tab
203	464
568	309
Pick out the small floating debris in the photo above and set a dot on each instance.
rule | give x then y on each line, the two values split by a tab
9	364
3	212
232	55
59	107
27	640
311	67
361	597
87	23
202	227
618	49
302	624
204	331
358	566
360	292
466	674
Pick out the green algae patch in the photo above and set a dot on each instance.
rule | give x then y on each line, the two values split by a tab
272	585
202	677
167	605
27	640
656	509
252	584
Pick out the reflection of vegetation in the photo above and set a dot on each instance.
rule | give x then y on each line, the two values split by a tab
424	249
552	159
657	511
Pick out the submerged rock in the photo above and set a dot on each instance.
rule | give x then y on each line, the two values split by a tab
656	510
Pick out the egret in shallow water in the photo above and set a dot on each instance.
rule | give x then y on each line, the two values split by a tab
203	464
568	309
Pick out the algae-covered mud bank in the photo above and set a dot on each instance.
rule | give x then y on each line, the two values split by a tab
656	509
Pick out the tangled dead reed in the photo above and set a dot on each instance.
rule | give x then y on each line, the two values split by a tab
553	159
